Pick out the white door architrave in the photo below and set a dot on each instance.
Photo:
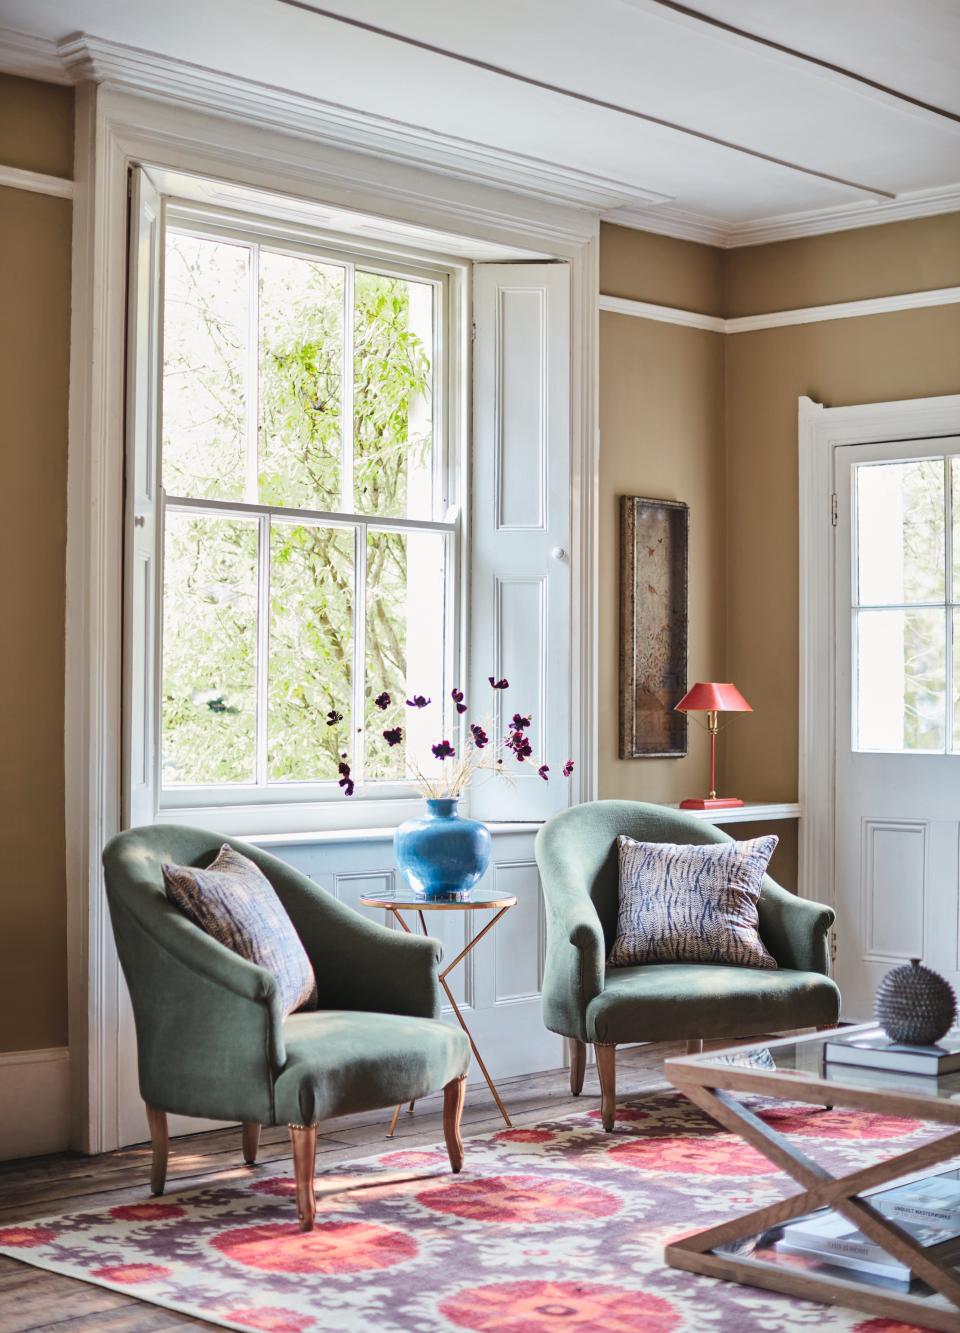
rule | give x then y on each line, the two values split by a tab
115	129
822	430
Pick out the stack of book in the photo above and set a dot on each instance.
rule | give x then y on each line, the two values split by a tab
927	1208
874	1050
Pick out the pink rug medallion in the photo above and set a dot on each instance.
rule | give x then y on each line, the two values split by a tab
555	1229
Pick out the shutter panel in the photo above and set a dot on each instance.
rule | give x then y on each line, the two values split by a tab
143	506
520	572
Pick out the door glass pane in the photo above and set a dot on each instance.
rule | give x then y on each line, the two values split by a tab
311	650
205	335
404	630
301	381
955	740
209	649
901	679
900	532
393	460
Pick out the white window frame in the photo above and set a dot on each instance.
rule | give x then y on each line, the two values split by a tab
293	806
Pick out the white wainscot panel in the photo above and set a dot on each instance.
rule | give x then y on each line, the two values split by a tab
893	890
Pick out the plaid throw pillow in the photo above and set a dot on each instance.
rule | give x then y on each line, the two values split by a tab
691	904
233	901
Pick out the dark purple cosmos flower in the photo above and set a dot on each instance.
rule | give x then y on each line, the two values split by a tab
498	684
480	737
543	770
457	697
443	750
521	747
346	781
393	735
568	768
519	723
333	717
382	700
418	701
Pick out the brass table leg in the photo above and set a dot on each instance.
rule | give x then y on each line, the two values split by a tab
468	947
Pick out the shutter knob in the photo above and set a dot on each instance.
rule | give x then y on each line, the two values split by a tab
139	520
558	553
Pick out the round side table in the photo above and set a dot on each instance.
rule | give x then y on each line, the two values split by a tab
398	903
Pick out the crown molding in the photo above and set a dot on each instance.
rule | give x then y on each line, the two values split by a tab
778	319
687	226
86	57
31	57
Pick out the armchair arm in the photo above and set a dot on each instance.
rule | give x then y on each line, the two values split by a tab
794	929
575	964
209	1023
359	964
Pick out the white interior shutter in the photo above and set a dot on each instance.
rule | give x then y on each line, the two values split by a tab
142	527
520	548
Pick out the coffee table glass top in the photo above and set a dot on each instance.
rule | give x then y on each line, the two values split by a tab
411	902
803	1058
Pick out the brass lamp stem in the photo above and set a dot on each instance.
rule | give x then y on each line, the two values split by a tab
713	726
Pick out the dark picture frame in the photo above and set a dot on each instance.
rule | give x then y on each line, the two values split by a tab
653	627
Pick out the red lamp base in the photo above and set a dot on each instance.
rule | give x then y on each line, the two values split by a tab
711	803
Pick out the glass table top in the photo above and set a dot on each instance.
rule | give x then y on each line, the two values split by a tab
478	898
804	1058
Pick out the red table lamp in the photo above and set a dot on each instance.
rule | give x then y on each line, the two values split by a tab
712	698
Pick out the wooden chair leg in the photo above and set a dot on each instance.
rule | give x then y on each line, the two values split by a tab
303	1141
160	1139
695	1046
251	1141
578	1063
607	1069
453	1097
826	1027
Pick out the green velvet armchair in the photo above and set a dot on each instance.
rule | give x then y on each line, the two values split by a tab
211	1037
586	1001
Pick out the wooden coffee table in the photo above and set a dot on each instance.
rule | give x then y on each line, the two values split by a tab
794	1069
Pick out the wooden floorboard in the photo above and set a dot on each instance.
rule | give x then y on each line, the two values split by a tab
31	1299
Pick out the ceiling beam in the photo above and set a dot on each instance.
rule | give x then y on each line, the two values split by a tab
502	71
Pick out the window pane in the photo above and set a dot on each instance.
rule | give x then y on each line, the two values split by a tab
311	650
900	531
209	649
405	652
301	381
901	680
206	309
393	393
955	502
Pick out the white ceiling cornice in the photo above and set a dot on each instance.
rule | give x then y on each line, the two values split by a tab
86	57
31	57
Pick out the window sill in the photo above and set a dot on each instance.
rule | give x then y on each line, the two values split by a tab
498	828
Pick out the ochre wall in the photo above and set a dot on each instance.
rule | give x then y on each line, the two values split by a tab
36	133
660	387
661	436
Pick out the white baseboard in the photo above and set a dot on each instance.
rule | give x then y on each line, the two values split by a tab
34	1102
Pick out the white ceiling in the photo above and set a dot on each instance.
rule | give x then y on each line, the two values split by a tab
758	143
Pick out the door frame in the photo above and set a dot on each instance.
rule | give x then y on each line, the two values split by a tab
821	430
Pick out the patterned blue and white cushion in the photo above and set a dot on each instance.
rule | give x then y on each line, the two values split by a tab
233	901
691	904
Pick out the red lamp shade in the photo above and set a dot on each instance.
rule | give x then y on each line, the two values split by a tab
710	696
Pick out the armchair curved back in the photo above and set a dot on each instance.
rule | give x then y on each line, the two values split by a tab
577	849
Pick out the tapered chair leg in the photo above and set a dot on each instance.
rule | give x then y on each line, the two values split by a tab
453	1097
826	1027
303	1141
251	1141
160	1139
578	1063
607	1069
694	1045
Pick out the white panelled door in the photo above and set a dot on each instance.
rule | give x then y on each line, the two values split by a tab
898	712
520	534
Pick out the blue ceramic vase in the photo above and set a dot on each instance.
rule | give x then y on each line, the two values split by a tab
441	854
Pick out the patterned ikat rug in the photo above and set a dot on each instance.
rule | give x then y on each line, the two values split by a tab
553	1229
